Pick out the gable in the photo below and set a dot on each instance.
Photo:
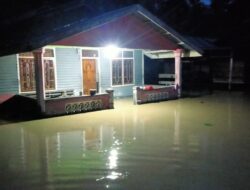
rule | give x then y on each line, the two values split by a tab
130	27
129	31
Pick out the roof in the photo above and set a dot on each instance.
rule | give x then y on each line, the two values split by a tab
130	27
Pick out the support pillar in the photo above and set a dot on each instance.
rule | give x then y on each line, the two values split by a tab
111	98
178	71
40	90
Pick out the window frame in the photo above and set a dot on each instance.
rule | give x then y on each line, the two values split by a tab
122	58
53	59
32	57
98	68
19	74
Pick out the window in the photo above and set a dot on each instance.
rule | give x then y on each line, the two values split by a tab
123	68
117	72
49	69
27	70
89	53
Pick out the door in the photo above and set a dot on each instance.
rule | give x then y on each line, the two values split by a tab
89	75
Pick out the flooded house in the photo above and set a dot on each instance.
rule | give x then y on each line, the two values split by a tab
82	66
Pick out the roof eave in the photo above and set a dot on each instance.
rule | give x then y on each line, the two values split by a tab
168	30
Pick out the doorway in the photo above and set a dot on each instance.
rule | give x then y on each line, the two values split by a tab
89	75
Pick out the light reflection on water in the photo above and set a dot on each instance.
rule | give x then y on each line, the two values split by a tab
199	143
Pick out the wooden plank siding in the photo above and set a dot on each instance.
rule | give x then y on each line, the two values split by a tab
138	67
8	75
69	72
68	69
105	71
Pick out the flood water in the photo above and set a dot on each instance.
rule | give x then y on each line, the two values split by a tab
191	143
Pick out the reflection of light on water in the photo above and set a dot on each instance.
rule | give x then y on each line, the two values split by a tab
114	175
58	146
113	159
112	166
112	163
117	143
177	128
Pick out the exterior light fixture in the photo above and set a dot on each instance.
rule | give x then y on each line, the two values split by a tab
111	51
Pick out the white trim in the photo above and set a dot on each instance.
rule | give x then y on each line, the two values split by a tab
123	58
99	71
80	57
134	67
97	59
18	74
28	92
89	48
143	66
162	54
116	86
54	64
55	70
32	57
74	47
26	57
43	77
167	32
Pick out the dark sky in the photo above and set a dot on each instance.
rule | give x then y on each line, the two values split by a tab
23	18
206	2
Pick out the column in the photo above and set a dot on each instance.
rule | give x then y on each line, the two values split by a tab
111	98
178	73
40	90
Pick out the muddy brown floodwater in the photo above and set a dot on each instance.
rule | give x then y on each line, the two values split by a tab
191	143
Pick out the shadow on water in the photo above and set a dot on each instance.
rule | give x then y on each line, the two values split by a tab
191	143
19	108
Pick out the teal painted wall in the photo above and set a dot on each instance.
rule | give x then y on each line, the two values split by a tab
68	67
105	78
138	67
69	72
8	74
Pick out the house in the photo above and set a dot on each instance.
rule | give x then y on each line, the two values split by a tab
99	55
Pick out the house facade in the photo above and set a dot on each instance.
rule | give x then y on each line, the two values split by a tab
75	69
103	55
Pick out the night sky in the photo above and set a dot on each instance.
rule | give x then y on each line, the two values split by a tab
227	20
206	2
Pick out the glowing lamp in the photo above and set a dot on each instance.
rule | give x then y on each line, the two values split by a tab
111	51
